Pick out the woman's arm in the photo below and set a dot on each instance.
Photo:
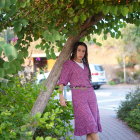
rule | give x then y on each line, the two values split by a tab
61	97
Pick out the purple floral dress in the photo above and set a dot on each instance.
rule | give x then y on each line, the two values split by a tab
86	112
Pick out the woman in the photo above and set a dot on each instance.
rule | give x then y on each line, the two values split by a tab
77	72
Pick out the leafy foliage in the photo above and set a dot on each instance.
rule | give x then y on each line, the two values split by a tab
133	118
129	110
55	121
54	21
16	103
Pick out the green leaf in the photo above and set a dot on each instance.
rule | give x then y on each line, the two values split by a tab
88	38
55	2
124	11
7	4
20	35
10	57
23	4
112	34
51	35
6	65
130	8
105	37
24	22
13	1
117	36
38	115
1	50
99	44
90	1
38	46
57	36
94	40
115	10
47	46
9	50
2	72
81	2
70	11
75	19
83	17
39	138
2	4
106	9
17	27
46	34
48	138
23	128
99	31
53	56
12	68
48	56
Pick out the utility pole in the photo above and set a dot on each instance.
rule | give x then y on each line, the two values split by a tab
124	68
5	35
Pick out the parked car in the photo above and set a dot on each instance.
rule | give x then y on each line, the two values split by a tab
42	77
98	75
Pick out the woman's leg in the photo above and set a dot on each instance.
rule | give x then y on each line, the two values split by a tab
94	136
88	137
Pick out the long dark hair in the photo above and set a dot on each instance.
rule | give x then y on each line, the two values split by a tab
85	58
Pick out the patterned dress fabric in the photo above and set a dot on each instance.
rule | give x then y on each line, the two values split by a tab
86	112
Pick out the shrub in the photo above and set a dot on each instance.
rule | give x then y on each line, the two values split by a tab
129	110
133	119
16	103
136	75
111	83
55	121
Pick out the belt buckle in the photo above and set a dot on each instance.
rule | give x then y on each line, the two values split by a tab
82	87
76	87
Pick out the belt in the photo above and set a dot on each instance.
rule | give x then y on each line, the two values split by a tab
80	87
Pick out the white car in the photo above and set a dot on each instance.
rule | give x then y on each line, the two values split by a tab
42	77
98	75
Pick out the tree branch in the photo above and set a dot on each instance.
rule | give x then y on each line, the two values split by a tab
89	22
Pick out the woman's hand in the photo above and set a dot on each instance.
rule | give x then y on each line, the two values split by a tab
62	99
63	102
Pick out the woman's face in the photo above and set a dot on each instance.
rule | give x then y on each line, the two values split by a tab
81	50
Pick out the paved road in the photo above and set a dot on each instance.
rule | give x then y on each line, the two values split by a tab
109	98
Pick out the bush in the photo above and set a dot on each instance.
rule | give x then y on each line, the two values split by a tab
129	109
16	103
55	121
136	75
111	82
133	119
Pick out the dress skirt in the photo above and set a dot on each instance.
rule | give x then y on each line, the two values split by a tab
86	112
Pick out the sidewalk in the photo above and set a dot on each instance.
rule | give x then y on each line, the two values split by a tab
113	129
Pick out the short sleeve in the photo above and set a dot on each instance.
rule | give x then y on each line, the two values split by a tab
65	74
